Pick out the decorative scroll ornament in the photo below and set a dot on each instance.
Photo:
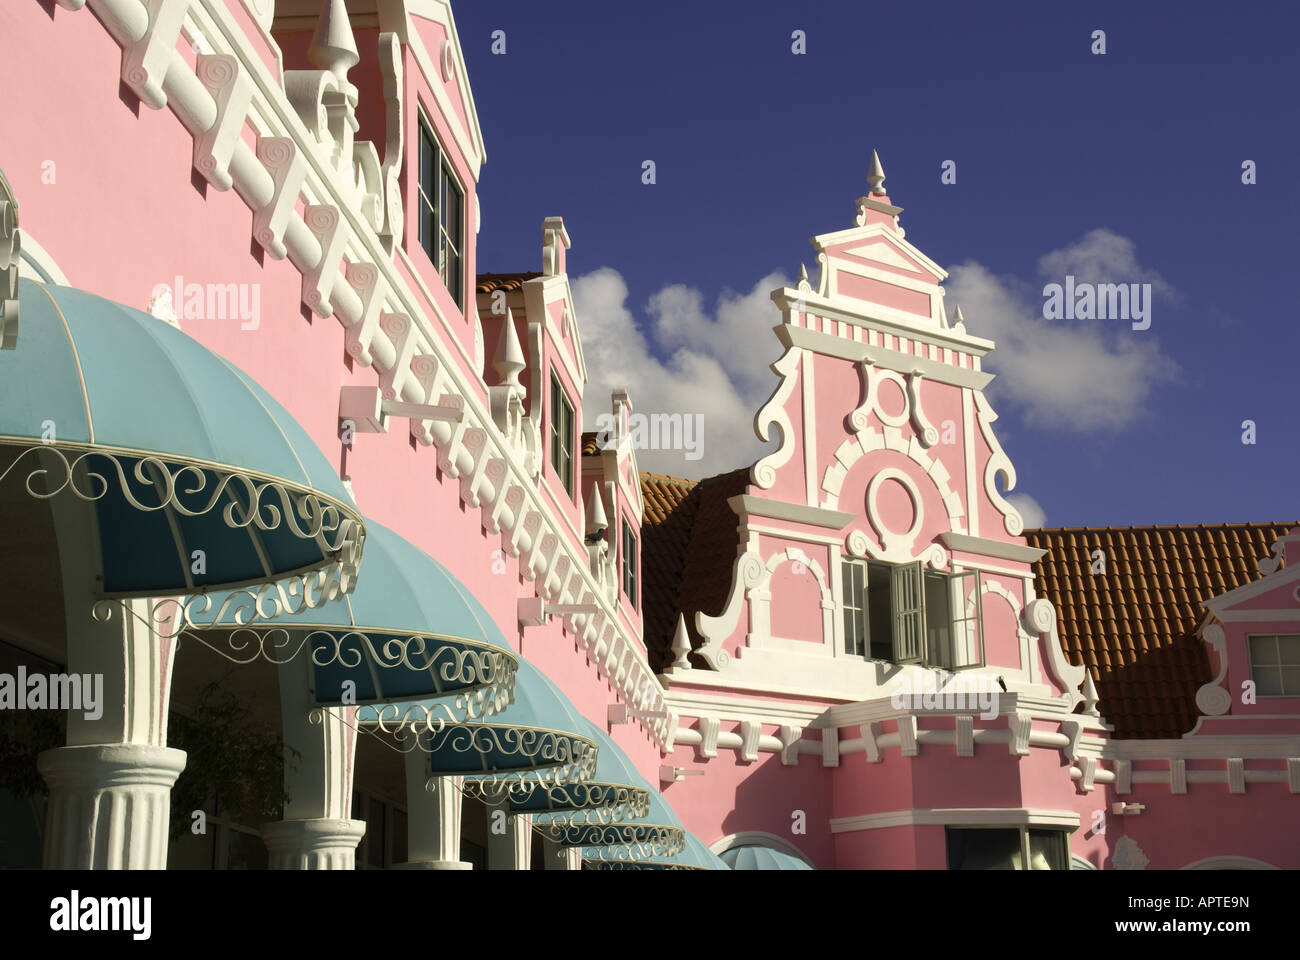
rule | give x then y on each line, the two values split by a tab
774	413
619	842
998	462
593	803
192	489
1211	698
481	676
10	249
635	865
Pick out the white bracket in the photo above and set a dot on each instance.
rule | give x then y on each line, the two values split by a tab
1122	809
670	774
368	411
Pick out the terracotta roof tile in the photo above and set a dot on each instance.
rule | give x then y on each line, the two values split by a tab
1135	625
489	282
688	546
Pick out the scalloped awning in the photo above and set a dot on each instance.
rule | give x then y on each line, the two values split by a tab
177	450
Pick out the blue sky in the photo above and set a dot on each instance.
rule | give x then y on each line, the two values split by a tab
1129	162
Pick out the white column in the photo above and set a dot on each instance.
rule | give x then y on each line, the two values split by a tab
317	832
510	838
433	807
110	787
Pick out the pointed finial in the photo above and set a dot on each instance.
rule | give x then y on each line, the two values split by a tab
1089	693
803	273
876	175
596	519
681	645
509	359
333	47
958	320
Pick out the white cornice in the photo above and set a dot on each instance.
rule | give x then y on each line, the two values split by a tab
833	346
746	505
991	548
703	703
956	817
875	317
1205	748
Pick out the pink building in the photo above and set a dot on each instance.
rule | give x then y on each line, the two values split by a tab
294	475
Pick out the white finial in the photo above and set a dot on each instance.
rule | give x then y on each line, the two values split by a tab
876	175
1089	693
596	519
333	47
803	273
509	359
958	321
681	645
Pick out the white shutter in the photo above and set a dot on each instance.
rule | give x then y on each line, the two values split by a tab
968	619
909	613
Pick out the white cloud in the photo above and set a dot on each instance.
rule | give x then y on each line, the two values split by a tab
1076	375
1101	256
716	366
1030	510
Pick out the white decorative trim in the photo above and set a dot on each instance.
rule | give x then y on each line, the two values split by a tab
998	462
1211	698
991	548
928	435
774	413
957	816
746	505
1040	618
10	260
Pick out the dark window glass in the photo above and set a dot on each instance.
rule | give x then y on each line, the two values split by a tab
441	213
971	849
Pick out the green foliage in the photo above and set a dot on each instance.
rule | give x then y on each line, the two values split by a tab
231	758
23	735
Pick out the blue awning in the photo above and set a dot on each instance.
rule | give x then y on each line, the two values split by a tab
695	856
178	450
656	834
757	857
614	792
409	629
539	739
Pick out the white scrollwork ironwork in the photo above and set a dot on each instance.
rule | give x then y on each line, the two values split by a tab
619	842
193	489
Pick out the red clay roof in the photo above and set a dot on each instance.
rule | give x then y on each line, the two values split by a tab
1134	625
688	546
488	282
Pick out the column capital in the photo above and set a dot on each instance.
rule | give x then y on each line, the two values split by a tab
323	843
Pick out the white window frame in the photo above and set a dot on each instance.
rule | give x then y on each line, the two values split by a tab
1277	663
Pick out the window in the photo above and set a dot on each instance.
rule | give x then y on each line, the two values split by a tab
905	614
442	207
1007	848
561	434
1275	664
384	842
629	564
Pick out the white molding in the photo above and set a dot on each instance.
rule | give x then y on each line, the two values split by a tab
991	548
775	414
957	817
832	346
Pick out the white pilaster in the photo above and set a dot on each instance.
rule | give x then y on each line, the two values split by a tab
110	787
433	809
317	832
512	848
